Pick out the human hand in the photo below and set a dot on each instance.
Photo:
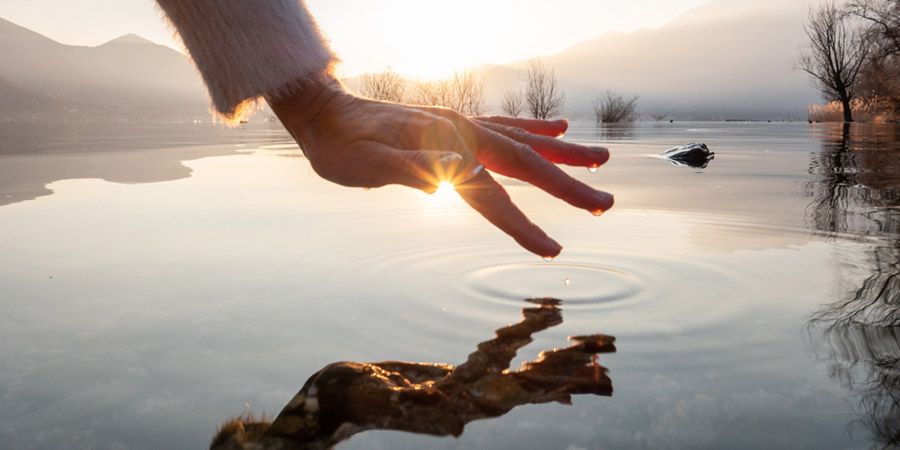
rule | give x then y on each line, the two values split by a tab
359	142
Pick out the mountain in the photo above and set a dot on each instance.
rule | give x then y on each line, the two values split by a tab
729	59
126	78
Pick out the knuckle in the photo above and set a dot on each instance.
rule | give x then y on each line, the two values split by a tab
453	114
517	133
497	195
445	125
438	133
525	152
409	164
526	157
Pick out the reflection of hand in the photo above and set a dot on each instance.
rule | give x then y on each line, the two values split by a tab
345	398
364	143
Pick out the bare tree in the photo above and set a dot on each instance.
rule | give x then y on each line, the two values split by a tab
432	93
880	76
463	92
613	108
836	54
387	86
543	96
512	104
468	93
883	18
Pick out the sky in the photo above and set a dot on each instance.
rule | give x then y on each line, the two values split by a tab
423	38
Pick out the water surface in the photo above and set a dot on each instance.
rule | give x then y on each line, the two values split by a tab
157	280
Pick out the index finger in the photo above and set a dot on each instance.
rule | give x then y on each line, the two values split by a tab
552	128
486	196
555	150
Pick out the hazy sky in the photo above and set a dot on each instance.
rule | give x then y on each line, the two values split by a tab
416	37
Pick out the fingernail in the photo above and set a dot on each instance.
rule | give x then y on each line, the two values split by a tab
552	250
605	202
604	152
450	162
451	158
464	177
552	254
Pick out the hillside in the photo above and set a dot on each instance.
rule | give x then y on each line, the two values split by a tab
126	78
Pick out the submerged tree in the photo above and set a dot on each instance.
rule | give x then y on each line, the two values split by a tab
836	54
543	96
659	116
613	108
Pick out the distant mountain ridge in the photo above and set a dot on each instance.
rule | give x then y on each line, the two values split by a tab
728	59
126	78
128	39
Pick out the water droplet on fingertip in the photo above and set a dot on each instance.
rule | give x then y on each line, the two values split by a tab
366	189
598	212
548	258
594	168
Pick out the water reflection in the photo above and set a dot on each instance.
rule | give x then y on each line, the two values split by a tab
856	190
614	132
346	398
34	155
856	197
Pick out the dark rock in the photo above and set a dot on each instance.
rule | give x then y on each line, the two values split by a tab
691	155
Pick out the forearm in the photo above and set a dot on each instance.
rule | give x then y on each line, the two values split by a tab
246	49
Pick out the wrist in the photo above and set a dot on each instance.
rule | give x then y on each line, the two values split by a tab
298	104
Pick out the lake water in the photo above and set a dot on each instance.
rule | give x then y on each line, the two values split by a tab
157	280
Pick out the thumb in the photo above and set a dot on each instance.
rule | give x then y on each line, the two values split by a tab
427	169
419	169
436	167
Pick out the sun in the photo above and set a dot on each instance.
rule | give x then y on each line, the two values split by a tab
444	199
445	191
432	40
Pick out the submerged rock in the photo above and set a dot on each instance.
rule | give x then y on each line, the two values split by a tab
692	155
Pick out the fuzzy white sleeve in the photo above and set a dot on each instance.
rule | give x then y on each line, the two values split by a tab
246	49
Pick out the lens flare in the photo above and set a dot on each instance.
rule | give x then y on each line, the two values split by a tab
444	190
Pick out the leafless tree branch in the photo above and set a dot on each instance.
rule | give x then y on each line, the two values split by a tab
543	96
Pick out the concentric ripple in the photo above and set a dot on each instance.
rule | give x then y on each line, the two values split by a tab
633	278
578	283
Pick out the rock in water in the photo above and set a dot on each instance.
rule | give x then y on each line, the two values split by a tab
693	155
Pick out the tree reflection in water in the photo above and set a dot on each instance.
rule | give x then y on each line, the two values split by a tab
856	197
346	398
614	131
